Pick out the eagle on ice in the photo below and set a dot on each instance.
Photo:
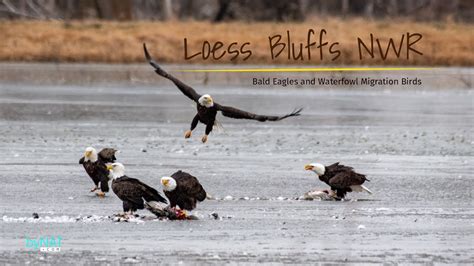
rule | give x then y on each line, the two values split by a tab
183	190
206	107
342	179
95	165
133	193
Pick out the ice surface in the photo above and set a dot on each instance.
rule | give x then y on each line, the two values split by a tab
416	147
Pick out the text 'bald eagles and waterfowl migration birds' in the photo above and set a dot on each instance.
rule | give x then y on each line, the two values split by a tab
206	107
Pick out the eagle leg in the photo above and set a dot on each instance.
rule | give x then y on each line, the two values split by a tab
100	194
209	127
333	194
125	215
193	126
130	214
94	188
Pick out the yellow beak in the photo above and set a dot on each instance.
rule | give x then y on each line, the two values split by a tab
165	182
87	153
308	167
109	167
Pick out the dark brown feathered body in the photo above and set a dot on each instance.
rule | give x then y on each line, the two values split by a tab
187	193
97	170
342	178
207	115
134	193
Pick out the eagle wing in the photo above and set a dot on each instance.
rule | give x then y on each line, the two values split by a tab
335	168
240	114
185	89
134	190
149	193
190	185
127	190
346	179
107	155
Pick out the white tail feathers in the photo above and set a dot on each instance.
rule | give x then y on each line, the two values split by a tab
366	189
361	188
209	196
156	204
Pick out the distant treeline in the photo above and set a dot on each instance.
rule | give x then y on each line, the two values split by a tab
245	10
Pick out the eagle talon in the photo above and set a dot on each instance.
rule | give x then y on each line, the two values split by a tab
94	189
100	194
187	134
204	139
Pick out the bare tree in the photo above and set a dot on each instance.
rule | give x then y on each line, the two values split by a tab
345	7
167	10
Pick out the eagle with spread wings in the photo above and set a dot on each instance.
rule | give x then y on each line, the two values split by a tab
206	107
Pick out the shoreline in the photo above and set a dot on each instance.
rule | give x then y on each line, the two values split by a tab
443	44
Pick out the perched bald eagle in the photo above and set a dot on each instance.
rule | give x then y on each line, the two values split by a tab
183	190
342	179
131	191
206	107
95	165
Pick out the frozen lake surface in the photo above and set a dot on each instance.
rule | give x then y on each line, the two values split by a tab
416	147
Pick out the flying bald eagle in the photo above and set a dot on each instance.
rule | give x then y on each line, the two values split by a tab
131	191
342	179
206	107
183	189
95	165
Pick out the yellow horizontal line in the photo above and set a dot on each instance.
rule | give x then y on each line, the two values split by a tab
341	69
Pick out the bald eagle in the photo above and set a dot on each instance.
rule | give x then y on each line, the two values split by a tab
95	165
131	191
183	190
342	179
206	107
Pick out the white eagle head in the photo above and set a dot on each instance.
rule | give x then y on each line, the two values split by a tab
169	184
90	154
318	168
116	170
206	100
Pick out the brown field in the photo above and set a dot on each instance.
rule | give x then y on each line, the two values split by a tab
443	44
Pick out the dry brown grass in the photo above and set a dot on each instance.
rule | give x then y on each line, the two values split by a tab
120	42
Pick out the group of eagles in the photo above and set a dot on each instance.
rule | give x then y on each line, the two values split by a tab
182	189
